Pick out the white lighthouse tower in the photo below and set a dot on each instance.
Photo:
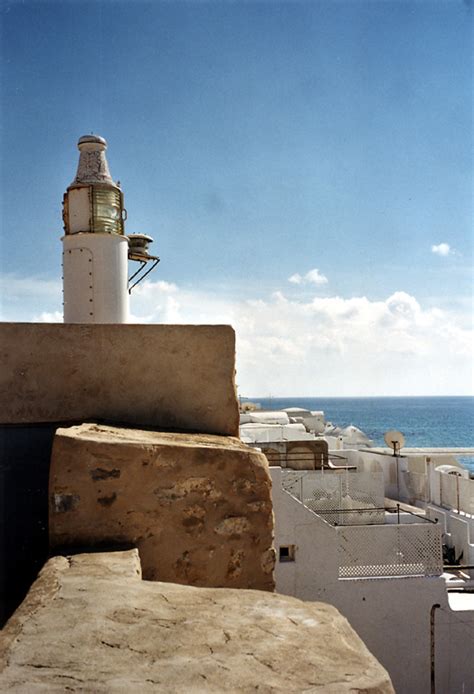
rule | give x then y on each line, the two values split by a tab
95	248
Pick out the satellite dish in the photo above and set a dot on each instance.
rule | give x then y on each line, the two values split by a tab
395	440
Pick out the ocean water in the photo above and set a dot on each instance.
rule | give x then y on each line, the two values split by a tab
424	421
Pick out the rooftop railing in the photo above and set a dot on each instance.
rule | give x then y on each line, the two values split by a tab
344	516
453	492
384	551
448	490
341	498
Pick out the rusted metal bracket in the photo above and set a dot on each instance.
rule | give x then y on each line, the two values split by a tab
139	277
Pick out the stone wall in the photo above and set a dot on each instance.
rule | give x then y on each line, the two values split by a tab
90	624
198	507
174	376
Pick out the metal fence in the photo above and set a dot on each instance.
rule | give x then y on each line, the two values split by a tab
341	497
297	457
389	550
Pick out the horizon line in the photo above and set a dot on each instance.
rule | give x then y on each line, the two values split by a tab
327	397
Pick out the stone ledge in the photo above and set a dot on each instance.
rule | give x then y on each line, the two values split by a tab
198	507
175	376
104	630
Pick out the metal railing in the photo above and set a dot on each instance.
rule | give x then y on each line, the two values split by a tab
302	461
454	492
341	497
334	516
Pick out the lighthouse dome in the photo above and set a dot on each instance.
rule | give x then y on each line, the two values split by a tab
92	140
93	167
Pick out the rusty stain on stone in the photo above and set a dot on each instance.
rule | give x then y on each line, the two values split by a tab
192	522
101	473
107	500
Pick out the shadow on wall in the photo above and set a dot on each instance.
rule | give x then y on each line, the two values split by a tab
25	453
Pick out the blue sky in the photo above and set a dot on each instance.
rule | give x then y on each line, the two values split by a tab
258	142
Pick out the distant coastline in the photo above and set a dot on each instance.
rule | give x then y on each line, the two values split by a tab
426	421
353	397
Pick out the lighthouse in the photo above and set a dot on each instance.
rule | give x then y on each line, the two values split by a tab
95	248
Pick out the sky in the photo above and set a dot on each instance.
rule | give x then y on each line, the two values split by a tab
305	169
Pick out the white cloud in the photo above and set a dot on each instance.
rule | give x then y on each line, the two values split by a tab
317	346
316	277
24	298
329	345
442	249
48	317
12	285
163	286
313	277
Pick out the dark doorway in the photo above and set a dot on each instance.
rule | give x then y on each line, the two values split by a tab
25	453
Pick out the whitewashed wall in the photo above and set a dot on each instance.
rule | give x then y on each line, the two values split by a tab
392	616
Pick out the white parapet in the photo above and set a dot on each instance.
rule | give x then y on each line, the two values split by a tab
95	278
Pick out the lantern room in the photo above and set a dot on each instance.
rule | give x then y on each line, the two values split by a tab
93	203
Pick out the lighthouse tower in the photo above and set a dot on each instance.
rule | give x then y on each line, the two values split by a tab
95	248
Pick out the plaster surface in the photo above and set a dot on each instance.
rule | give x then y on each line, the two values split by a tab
197	506
171	376
90	624
391	615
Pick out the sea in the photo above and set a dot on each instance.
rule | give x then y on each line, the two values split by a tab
428	422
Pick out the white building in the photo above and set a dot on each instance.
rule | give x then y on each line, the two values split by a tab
383	570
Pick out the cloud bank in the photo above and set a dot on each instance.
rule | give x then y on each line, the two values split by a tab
328	345
332	345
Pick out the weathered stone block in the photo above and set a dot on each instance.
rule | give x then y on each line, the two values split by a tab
170	376
198	507
90	624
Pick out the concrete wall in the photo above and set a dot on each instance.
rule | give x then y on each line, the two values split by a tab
391	615
457	534
393	469
176	376
453	634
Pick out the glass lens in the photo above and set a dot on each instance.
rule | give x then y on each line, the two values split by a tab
107	206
